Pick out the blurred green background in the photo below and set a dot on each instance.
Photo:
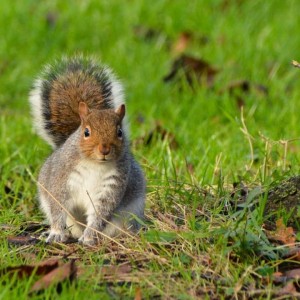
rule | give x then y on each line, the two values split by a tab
253	41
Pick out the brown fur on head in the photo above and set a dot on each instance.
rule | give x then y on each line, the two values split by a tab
101	132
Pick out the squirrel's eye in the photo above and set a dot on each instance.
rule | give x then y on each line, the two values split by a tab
119	133
87	132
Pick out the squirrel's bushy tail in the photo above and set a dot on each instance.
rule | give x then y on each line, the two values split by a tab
56	94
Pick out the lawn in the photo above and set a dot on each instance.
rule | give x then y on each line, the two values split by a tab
212	139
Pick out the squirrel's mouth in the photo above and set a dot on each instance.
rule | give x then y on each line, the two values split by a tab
103	159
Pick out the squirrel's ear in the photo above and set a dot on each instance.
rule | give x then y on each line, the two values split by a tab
120	111
83	110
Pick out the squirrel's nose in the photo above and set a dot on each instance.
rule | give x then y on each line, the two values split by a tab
104	149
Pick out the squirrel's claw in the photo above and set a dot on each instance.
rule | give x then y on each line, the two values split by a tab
89	238
56	237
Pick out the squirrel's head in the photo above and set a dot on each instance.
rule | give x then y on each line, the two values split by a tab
102	137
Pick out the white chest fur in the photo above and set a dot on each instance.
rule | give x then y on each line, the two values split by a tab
89	182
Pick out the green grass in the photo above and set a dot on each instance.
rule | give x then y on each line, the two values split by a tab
191	247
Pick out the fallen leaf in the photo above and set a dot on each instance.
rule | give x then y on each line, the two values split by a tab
146	33
288	289
293	274
194	69
22	240
158	133
292	253
58	275
289	278
182	42
33	227
41	268
239	88
51	19
285	234
277	277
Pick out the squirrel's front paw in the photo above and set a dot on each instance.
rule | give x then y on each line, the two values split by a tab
56	236
89	238
87	242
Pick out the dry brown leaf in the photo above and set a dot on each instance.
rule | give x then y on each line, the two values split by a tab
293	253
239	88
146	33
22	240
293	274
158	133
284	234
288	278
58	275
277	277
48	262
194	69
32	227
288	289
51	19
41	268
182	42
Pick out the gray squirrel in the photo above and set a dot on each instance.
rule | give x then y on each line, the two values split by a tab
78	108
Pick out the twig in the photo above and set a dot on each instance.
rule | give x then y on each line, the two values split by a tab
285	144
217	166
265	162
248	137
